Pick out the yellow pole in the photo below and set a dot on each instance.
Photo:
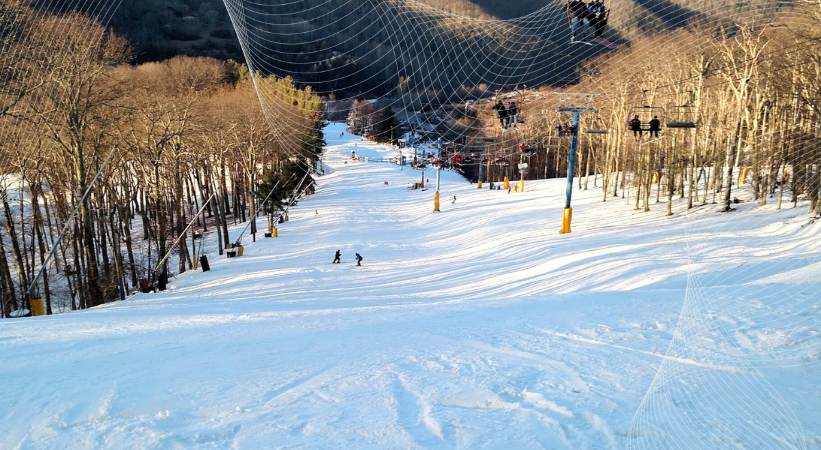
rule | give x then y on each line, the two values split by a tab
436	201
507	183
743	178
522	183
38	306
479	184
567	216
274	232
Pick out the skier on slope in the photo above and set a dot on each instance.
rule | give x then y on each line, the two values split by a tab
359	259
337	257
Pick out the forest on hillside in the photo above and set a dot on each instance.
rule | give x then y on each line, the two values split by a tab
737	109
109	162
364	49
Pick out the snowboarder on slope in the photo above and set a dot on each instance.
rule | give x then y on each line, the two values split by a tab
337	257
358	259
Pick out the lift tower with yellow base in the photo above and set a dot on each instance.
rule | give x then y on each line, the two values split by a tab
577	104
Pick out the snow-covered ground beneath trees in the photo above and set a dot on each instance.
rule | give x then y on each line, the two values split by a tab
476	327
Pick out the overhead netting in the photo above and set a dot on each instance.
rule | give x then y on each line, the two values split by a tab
745	74
685	62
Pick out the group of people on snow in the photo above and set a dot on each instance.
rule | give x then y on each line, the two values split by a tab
338	258
583	14
508	113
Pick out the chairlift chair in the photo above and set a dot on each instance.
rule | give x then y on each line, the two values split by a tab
553	142
570	16
682	117
527	151
646	114
597	127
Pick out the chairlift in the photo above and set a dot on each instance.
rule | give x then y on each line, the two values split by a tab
646	113
502	162
526	150
579	11
597	127
682	117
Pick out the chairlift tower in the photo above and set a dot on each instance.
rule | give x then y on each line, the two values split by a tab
438	173
577	104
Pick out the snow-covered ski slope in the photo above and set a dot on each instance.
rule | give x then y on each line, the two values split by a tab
477	327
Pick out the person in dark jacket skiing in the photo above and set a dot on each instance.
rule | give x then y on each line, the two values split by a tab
359	259
337	257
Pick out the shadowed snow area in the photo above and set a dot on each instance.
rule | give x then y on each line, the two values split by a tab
476	327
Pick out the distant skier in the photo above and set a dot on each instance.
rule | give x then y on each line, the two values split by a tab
454	200
337	257
358	259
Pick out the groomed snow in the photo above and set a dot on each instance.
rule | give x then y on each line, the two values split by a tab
476	327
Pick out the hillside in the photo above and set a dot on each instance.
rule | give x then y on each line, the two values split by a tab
441	44
478	327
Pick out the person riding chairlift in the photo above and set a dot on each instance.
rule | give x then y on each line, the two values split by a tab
501	111
597	16
655	127
577	10
512	115
635	127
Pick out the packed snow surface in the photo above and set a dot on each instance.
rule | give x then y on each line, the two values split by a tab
476	327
